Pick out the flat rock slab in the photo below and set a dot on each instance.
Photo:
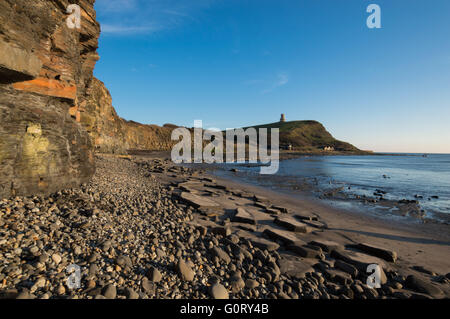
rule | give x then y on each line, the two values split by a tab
284	210
243	216
264	244
359	260
326	245
377	251
295	268
260	199
282	235
307	252
315	224
338	276
247	227
292	225
305	217
198	201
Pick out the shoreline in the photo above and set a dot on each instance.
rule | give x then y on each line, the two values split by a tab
426	238
146	228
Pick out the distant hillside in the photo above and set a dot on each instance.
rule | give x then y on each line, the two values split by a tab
308	136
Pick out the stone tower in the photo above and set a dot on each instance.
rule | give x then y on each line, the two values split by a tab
283	118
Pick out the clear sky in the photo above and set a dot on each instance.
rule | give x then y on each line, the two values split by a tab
233	63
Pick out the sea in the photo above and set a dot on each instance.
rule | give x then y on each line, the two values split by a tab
384	177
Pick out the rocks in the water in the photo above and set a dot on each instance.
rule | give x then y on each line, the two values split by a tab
184	271
380	252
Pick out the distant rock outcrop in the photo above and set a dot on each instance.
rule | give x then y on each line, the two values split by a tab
45	70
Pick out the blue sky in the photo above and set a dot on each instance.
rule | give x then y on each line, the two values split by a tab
233	63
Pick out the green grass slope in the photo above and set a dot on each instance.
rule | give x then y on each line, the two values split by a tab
308	136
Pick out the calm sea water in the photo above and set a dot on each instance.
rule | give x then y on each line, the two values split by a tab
401	177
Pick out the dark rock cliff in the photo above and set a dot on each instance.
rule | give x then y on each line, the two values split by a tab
45	71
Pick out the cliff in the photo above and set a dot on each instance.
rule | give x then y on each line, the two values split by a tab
45	71
112	134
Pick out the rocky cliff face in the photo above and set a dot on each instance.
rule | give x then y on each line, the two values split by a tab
112	134
45	72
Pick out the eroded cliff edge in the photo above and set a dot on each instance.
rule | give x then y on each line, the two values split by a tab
113	134
45	71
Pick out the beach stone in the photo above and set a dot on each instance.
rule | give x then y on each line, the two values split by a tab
359	260
326	245
264	244
338	276
198	201
282	235
154	275
307	252
110	292
237	283
124	261
184	271
221	254
422	286
295	268
243	216
218	291
131	294
305	217
222	231
350	269
284	210
251	283
56	258
377	251
292	225
148	286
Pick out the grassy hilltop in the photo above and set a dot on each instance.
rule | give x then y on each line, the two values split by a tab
308	136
